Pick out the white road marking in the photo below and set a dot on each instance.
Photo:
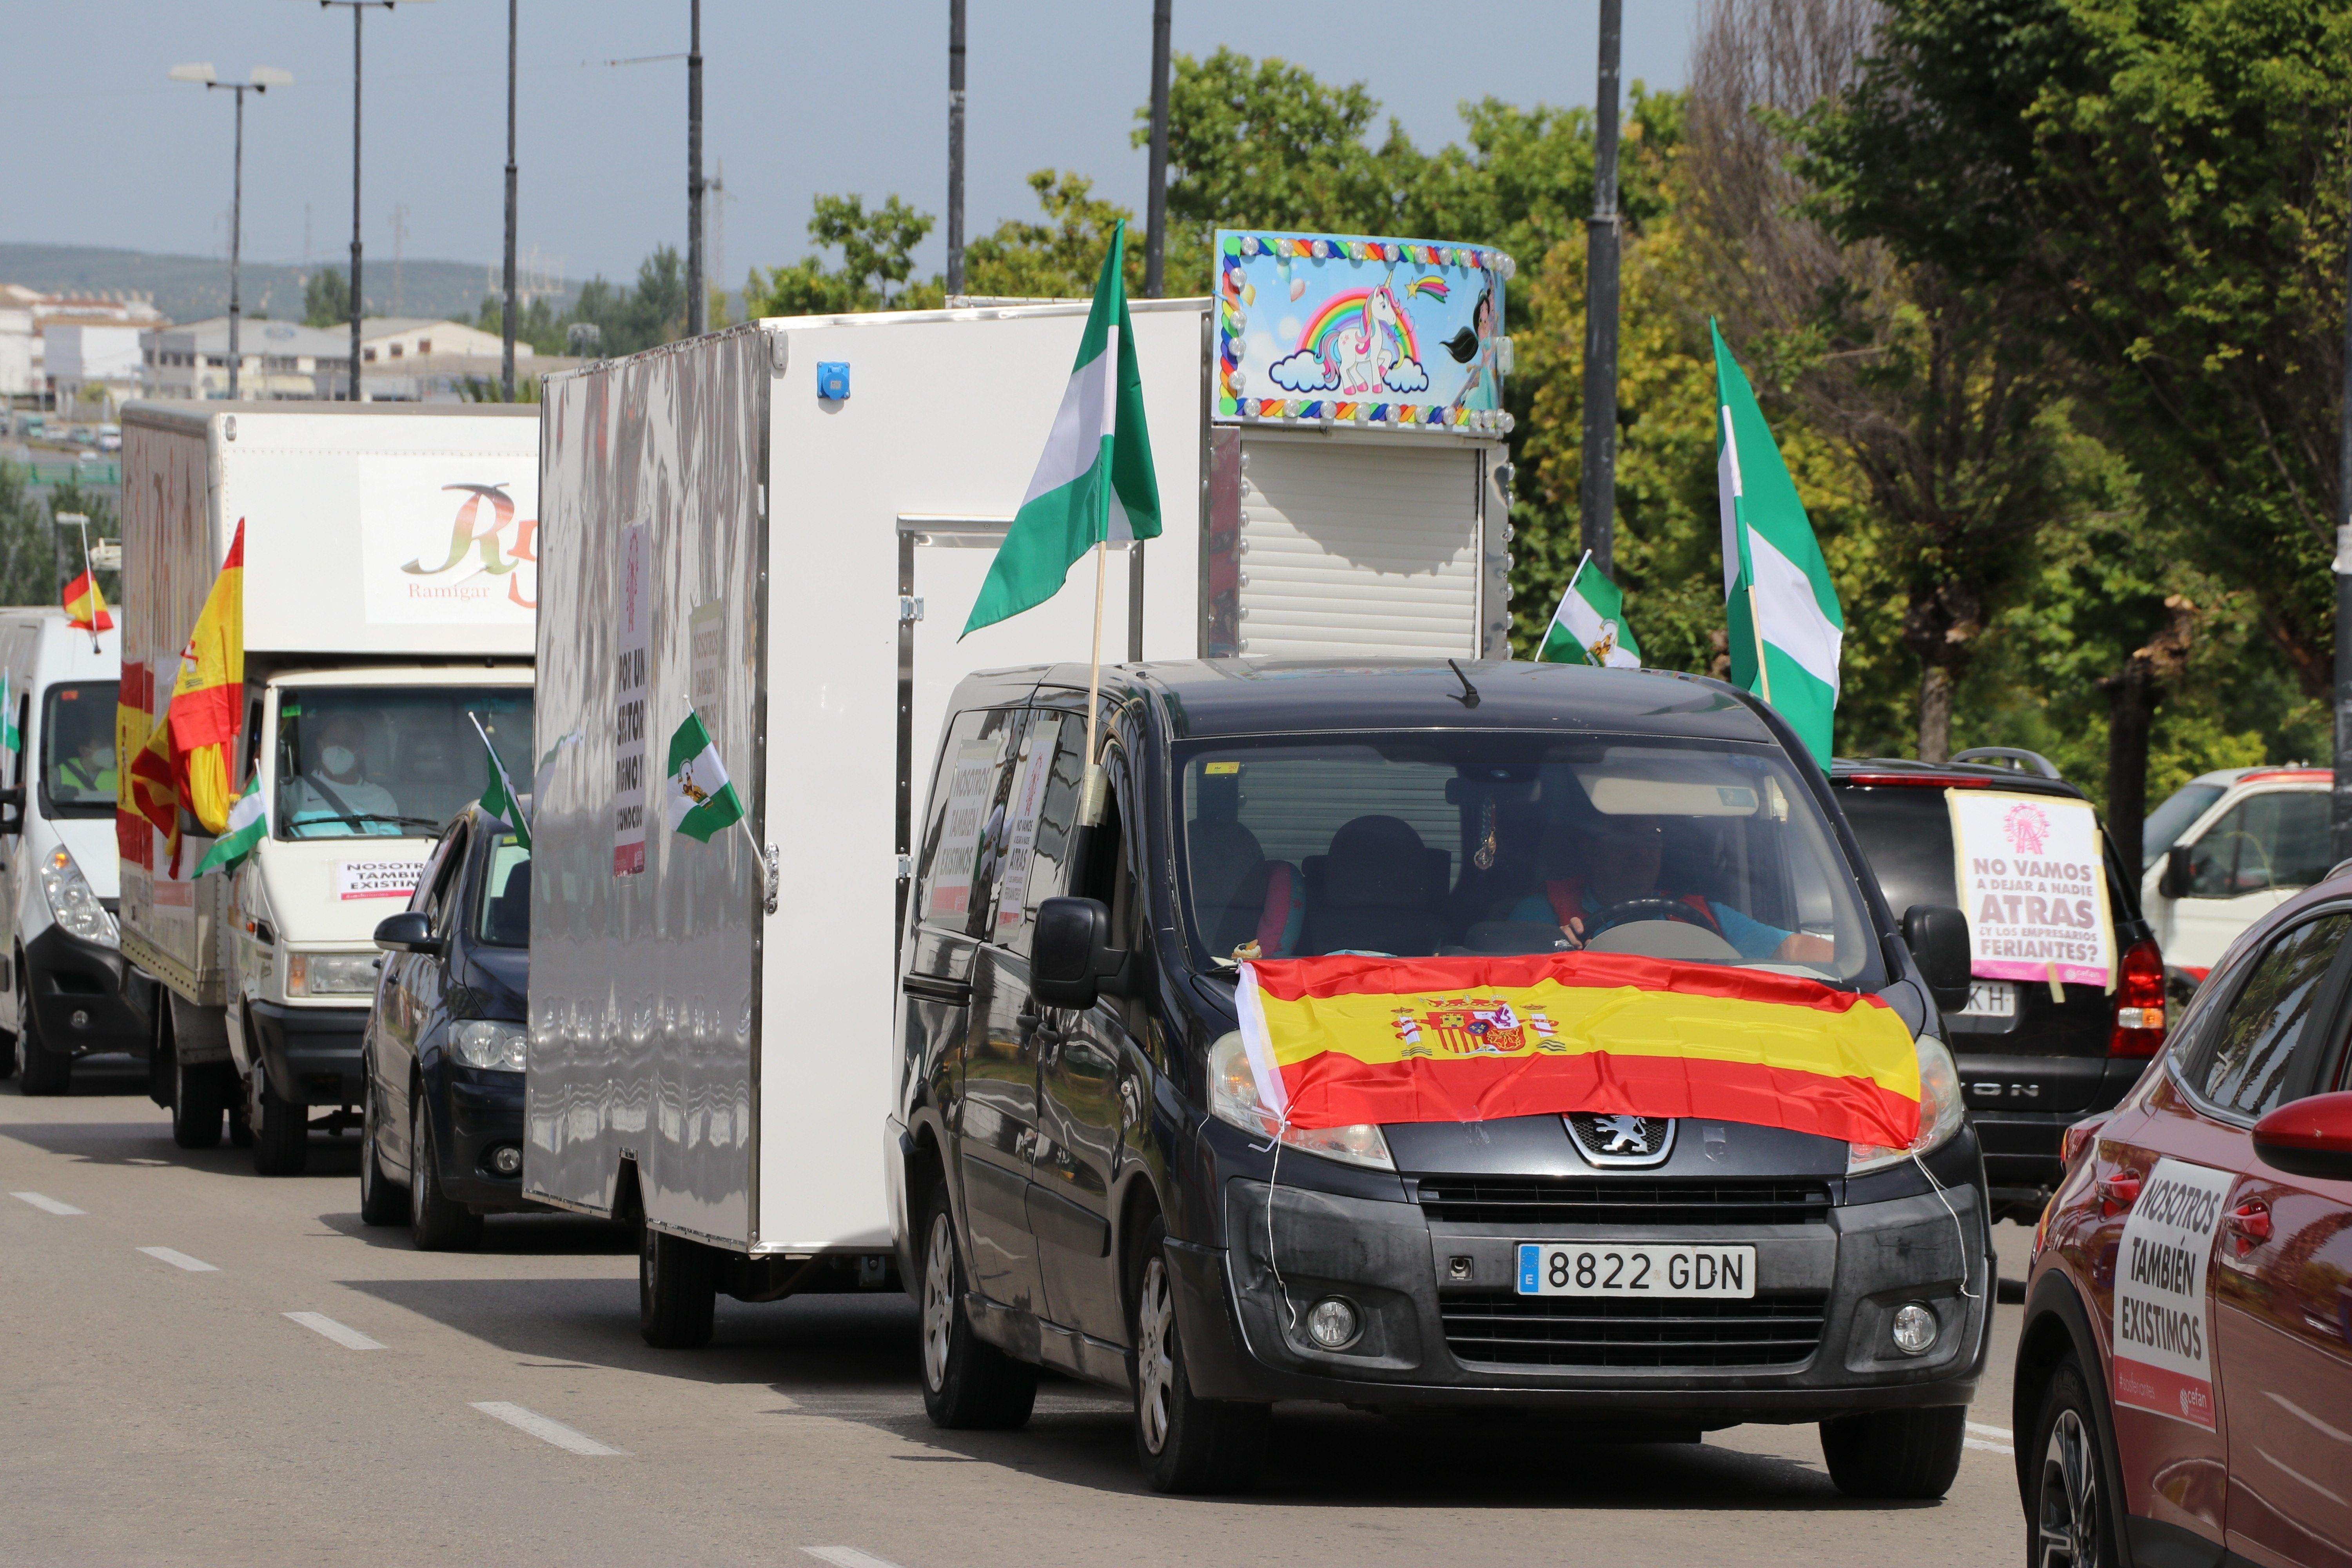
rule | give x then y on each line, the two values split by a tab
179	1260
544	1430
1987	1447
343	1334
848	1557
1982	1430
45	1202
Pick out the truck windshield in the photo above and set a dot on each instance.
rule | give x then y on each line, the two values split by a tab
504	918
1501	842
390	761
77	750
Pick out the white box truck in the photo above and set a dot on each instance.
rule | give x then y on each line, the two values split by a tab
786	525
390	586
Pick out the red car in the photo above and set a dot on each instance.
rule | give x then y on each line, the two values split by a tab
2184	1374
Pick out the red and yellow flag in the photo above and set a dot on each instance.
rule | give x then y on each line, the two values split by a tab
130	732
1340	1040
85	606
207	701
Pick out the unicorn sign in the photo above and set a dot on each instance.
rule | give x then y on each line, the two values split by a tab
1344	328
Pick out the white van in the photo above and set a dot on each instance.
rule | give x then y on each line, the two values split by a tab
63	988
2226	849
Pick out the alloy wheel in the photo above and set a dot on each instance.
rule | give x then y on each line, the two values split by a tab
938	1301
2068	1529
1155	1364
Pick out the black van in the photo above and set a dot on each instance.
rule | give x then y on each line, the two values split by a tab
1084	1177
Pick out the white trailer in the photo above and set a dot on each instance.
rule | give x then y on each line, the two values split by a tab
710	1039
390	585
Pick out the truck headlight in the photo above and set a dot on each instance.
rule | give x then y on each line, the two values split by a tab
330	974
1233	1098
1939	1111
72	903
487	1043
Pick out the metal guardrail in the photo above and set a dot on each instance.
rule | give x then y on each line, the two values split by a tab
85	471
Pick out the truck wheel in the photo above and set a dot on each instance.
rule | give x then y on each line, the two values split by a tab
382	1202
1913	1454
196	1096
282	1130
435	1223
968	1383
2071	1519
1186	1444
45	1071
677	1288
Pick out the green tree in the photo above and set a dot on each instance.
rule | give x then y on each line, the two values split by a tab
27	554
1060	257
876	259
326	299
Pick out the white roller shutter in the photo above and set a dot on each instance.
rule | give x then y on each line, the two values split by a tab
1355	551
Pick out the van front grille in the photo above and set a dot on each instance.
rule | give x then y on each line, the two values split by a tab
1533	1201
1605	1331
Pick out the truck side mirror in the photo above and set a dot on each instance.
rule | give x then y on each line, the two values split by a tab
408	931
2175	881
1938	936
12	810
1070	954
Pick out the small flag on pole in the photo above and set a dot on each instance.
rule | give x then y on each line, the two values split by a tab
9	739
248	821
85	606
1590	627
498	802
701	801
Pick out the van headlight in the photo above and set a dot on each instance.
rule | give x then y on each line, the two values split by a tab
73	902
1233	1098
1939	1111
330	974
488	1043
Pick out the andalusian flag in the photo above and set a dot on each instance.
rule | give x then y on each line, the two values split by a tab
1590	627
1340	1040
207	703
247	823
1095	481
85	606
1786	628
499	801
11	740
701	801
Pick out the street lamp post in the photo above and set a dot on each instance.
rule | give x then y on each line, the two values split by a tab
264	78
506	365
1155	196
1597	498
358	8
955	146
695	303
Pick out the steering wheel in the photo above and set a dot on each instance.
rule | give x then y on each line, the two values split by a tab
1618	914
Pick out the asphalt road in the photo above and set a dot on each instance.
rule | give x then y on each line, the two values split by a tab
199	1365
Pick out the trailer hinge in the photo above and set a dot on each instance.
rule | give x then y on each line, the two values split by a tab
775	875
910	608
905	866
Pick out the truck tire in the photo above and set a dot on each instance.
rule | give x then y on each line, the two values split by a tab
1904	1453
282	1130
677	1288
1185	1444
435	1223
967	1383
42	1070
383	1201
197	1096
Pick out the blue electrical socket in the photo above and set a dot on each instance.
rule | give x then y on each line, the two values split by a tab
833	380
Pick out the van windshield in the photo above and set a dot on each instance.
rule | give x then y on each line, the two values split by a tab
78	749
1503	841
390	761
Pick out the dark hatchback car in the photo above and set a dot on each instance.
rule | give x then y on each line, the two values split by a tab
443	1053
1085	1178
2030	1066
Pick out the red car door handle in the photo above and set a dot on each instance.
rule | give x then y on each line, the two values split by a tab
2119	1192
2249	1222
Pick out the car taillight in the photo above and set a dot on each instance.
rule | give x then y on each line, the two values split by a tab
2138	1029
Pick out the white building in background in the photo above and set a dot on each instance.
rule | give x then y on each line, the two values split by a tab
279	359
80	358
26	315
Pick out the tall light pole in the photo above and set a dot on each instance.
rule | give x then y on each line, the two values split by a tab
697	306
1155	199
358	8
263	77
1597	495
506	365
955	146
2341	811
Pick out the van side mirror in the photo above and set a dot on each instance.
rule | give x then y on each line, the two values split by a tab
2308	1137
408	931
11	809
2175	881
1070	954
1938	936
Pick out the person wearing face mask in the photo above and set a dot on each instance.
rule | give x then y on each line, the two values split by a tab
333	795
1618	860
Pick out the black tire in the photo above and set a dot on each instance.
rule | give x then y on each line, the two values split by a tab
2072	1513
383	1201
199	1094
967	1383
7	1054
1184	1442
435	1223
282	1130
678	1289
1896	1454
41	1070
240	1116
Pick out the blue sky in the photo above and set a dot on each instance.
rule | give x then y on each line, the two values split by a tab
799	99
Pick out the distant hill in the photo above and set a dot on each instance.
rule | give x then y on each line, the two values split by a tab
191	287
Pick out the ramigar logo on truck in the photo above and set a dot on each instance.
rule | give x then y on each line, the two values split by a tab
501	541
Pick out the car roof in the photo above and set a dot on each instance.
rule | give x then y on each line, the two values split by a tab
1908	771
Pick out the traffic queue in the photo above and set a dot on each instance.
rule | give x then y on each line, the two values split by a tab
705	801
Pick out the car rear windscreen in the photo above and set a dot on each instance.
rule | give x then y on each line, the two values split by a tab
1905	833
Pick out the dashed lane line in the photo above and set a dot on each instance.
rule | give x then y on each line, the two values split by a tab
848	1557
1982	1430
343	1334
546	1429
179	1260
1989	1439
46	1204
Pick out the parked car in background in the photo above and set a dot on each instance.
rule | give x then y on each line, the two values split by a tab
2031	1065
109	438
442	1068
2224	851
2184	1369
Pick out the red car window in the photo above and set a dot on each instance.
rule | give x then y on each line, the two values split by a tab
2244	1065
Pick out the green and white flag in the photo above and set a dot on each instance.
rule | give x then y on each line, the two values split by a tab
1590	627
499	801
701	801
9	739
247	821
1095	481
1786	628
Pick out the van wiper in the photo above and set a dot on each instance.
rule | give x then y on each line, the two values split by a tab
361	818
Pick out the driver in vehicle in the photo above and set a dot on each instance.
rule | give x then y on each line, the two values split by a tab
333	797
1618	862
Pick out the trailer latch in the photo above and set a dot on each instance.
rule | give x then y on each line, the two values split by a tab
910	608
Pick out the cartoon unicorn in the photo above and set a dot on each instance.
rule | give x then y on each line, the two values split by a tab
1363	355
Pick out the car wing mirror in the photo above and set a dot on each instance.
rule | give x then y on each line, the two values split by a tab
2308	1137
408	931
2175	881
1071	959
1938	936
11	809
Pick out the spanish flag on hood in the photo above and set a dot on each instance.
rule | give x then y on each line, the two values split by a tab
207	701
